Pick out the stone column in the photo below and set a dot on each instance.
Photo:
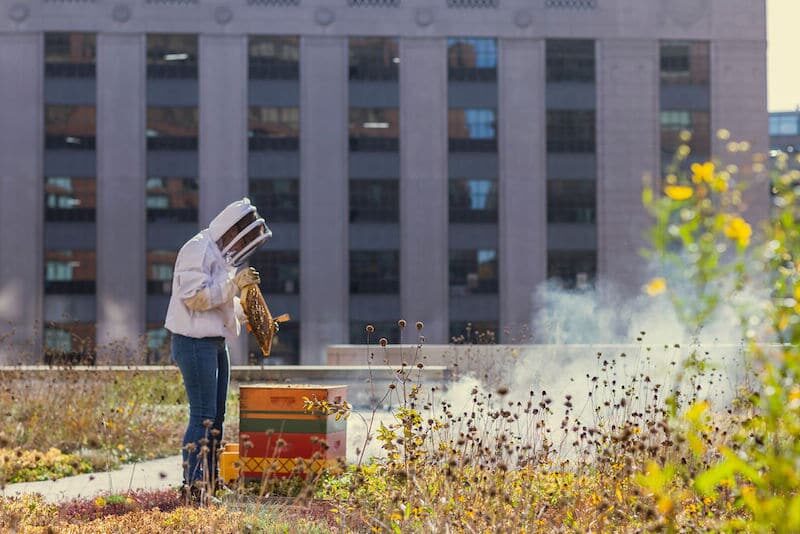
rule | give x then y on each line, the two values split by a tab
223	135
21	196
121	214
423	185
522	224
627	150
324	271
739	105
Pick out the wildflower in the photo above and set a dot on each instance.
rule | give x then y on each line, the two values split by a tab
401	323
702	172
737	229
679	192
100	502
419	325
370	328
723	134
656	286
383	342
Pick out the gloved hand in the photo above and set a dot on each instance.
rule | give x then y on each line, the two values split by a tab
245	277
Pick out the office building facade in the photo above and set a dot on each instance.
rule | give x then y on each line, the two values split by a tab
434	160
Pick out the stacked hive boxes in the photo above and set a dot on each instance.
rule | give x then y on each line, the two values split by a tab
277	436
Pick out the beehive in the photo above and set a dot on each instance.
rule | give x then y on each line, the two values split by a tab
272	412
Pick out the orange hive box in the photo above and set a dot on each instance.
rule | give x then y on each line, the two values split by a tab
272	412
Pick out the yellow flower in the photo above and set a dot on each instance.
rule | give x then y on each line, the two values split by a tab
656	286
679	192
100	502
738	230
702	172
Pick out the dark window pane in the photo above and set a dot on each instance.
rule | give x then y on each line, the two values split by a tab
171	55
473	271
573	269
160	266
571	201
277	199
67	198
374	271
473	333
471	59
784	124
273	57
69	55
388	329
696	123
172	199
273	128
374	129
570	60
374	58
172	128
685	62
69	343
279	269
374	201
472	130
473	201
69	127
285	346
570	131
69	271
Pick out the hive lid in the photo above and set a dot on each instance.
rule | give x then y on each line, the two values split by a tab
291	386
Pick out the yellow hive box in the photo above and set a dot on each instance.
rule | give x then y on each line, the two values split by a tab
229	463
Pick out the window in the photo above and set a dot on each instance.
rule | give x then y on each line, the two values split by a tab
69	272
573	269
285	346
684	63
69	343
277	199
473	333
69	127
698	123
570	60
160	267
172	128
273	57
68	198
172	199
473	201
570	131
374	129
171	56
273	128
374	201
471	59
374	271
784	124
69	55
158	340
374	58
571	201
473	271
388	329
472	130
279	269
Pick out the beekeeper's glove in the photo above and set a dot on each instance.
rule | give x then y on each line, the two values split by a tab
246	277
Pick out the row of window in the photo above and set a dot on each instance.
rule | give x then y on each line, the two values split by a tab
371	272
371	58
176	200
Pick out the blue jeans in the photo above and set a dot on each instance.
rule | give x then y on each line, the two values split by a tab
205	366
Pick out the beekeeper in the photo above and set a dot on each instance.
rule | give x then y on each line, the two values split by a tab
203	310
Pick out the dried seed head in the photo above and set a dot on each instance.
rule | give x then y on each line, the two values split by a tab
420	325
383	342
401	323
370	329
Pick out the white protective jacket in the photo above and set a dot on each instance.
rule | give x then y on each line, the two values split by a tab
203	301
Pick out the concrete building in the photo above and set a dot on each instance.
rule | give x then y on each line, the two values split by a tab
434	160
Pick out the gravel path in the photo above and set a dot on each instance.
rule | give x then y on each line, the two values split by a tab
155	474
